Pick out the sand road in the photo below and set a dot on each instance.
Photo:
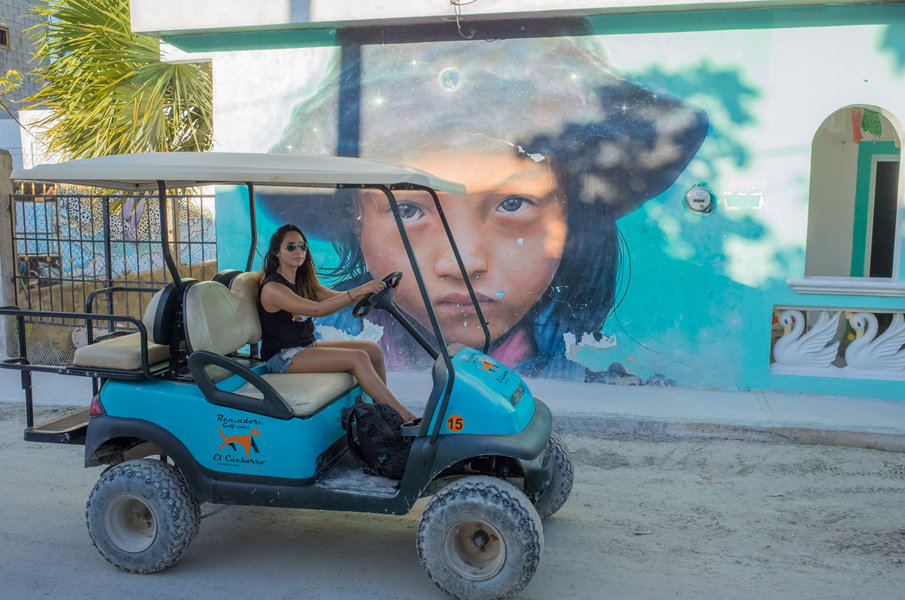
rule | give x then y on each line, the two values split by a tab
647	520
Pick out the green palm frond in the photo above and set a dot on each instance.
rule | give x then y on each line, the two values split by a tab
107	90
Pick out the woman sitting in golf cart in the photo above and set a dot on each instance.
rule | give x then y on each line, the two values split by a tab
290	296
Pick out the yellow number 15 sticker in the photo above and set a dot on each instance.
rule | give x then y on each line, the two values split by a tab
455	423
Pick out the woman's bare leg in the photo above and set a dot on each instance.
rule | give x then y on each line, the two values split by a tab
321	359
375	353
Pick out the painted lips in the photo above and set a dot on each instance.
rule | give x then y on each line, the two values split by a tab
460	303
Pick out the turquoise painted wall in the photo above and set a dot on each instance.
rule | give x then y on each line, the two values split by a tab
698	291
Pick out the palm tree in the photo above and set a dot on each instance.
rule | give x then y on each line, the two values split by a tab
107	90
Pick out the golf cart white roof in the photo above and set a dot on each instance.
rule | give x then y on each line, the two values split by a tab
192	169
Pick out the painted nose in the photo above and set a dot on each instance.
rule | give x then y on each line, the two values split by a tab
474	258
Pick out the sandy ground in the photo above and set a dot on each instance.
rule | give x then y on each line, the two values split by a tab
646	520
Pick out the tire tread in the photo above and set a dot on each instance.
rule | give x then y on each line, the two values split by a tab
551	499
493	493
168	486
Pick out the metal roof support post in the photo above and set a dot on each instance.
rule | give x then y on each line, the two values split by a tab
254	226
164	237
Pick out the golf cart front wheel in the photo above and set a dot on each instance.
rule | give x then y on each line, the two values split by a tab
480	538
141	515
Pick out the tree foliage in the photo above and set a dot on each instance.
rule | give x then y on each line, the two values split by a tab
9	83
107	90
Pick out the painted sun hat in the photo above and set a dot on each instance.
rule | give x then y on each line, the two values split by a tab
549	97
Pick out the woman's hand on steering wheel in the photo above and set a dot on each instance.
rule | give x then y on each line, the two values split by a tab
372	287
382	297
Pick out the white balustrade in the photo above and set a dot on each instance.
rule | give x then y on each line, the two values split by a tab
849	343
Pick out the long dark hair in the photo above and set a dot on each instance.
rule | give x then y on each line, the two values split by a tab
306	283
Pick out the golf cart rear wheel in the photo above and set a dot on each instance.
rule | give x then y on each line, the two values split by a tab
480	538
552	497
141	515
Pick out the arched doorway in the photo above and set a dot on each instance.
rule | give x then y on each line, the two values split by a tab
855	200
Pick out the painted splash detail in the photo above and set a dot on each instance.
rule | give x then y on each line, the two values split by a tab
370	332
588	341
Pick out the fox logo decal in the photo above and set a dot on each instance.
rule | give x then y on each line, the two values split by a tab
488	366
246	441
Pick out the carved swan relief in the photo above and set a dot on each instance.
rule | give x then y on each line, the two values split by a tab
797	348
871	353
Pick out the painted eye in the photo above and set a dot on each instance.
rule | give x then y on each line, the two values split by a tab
513	203
410	212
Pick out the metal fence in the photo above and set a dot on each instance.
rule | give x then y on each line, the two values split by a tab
67	246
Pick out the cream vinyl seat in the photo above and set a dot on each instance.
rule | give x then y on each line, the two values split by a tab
124	352
221	320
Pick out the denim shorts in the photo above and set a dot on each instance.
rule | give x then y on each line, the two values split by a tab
279	362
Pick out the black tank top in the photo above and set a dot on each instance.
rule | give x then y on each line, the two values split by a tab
283	329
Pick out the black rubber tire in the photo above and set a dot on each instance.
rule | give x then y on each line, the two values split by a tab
480	539
557	491
141	515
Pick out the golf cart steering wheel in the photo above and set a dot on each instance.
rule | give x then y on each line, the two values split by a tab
381	299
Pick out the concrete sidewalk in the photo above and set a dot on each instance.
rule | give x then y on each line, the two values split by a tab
629	411
655	412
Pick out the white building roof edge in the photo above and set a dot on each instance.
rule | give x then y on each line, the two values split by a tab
184	17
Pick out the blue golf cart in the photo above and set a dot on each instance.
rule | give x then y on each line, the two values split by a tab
186	412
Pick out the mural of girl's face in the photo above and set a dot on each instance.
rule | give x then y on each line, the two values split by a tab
510	229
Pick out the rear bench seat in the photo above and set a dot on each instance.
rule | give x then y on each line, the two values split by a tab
123	353
222	320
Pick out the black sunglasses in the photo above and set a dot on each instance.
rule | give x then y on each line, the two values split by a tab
291	246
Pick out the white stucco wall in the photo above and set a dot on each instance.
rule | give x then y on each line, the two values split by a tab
9	140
